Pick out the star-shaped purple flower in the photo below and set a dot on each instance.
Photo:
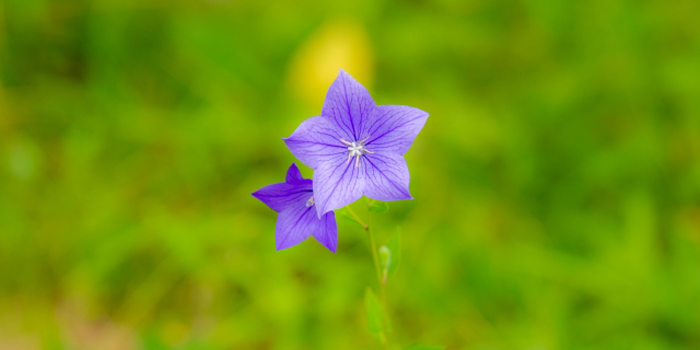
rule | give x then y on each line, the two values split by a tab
297	221
356	147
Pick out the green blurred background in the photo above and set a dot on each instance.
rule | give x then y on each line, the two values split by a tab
556	183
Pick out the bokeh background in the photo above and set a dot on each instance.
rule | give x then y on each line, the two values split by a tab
556	183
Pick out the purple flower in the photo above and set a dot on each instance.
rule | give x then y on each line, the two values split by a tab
356	147
294	201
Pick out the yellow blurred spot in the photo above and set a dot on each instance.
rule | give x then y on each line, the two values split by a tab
339	44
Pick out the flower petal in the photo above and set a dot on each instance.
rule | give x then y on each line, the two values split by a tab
315	141
298	222
293	175
280	196
337	184
327	233
386	176
350	105
294	225
395	128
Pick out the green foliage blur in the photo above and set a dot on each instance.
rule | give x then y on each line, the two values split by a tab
556	182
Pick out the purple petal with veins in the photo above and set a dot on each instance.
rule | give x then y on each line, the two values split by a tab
349	105
316	141
387	177
339	184
395	128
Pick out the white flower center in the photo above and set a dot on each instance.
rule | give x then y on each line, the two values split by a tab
356	149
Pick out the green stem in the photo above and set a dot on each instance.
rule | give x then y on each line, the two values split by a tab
380	281
375	257
357	218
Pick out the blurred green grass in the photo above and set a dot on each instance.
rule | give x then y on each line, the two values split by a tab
556	183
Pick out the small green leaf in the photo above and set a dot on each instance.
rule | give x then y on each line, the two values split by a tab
384	262
346	216
378	207
392	252
384	259
375	318
425	347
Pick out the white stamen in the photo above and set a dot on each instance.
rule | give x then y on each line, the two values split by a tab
356	149
310	202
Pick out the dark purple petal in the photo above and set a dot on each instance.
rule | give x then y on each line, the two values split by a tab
299	222
279	196
316	140
282	195
294	225
327	234
386	176
337	184
294	175
350	105
395	128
